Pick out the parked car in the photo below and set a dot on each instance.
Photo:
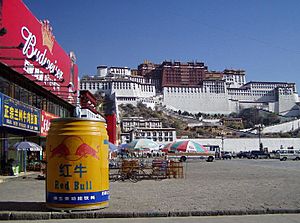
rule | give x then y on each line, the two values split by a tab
226	155
258	154
242	154
274	154
234	155
288	154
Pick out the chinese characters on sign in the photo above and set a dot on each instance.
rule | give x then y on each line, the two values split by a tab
19	115
79	198
74	198
67	170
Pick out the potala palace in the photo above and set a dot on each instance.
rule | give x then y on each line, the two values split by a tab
191	87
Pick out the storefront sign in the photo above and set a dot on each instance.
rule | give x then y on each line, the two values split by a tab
39	57
18	115
46	121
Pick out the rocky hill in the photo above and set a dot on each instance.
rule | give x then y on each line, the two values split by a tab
180	123
172	121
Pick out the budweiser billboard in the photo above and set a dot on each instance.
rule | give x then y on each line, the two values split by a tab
29	47
46	121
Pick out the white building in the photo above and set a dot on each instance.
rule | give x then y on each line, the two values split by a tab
104	71
130	123
216	96
225	95
159	135
118	81
86	113
234	78
140	128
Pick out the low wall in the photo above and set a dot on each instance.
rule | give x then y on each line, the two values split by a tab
283	127
246	144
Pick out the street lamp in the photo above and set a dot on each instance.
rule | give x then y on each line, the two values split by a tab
259	128
220	150
222	138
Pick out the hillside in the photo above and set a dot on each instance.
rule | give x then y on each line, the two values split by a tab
250	118
169	121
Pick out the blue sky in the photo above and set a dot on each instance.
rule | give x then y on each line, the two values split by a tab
259	36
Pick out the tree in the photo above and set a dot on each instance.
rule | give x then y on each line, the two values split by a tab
185	113
250	117
271	119
285	135
199	114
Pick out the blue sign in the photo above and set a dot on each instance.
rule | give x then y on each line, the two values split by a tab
16	114
78	198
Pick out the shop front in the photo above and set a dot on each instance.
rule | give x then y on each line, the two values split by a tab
19	122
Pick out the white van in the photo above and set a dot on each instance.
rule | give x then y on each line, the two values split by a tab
291	154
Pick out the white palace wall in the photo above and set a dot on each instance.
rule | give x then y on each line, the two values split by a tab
195	102
283	127
287	105
139	91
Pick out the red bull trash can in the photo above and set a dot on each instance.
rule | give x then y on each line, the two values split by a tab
77	164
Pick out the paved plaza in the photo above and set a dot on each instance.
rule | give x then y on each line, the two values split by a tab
240	185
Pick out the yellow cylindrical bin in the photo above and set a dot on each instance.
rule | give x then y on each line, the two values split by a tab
77	164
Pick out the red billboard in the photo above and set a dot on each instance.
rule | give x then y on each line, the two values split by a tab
29	47
46	121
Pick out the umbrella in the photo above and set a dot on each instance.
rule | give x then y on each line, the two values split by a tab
27	146
143	144
123	146
112	147
185	146
31	146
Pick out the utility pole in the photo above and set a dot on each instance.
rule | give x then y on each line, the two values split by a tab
259	128
259	138
222	138
221	151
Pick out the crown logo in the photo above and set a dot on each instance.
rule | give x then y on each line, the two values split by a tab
48	37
